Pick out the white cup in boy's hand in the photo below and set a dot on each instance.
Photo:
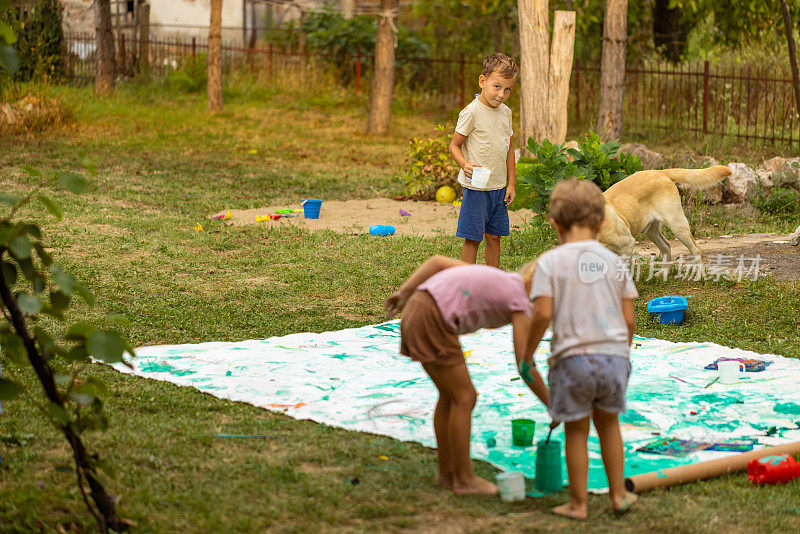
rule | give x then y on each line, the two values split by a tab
480	176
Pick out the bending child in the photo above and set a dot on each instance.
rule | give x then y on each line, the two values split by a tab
483	139
587	292
443	299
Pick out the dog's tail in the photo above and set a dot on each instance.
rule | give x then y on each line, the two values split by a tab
698	178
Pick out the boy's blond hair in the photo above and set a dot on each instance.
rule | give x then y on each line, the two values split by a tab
578	202
501	64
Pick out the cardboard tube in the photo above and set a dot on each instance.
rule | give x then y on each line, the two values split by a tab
703	470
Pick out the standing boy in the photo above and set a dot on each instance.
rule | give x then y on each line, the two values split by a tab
483	139
587	292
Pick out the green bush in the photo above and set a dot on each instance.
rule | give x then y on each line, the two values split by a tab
593	160
191	76
779	201
430	166
39	40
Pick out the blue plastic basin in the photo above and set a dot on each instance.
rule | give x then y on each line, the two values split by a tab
668	310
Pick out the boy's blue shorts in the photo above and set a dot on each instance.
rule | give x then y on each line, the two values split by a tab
482	212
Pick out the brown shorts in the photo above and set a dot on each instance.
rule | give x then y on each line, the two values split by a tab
424	336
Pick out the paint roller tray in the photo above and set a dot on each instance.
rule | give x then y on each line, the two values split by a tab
667	310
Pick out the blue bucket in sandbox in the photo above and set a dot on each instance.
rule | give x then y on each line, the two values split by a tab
311	207
667	310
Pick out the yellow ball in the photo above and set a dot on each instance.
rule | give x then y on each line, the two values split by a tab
445	194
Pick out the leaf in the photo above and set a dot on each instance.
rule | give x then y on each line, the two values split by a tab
46	258
20	247
77	354
8	58
51	206
9	389
32	171
61	379
87	164
14	348
80	330
59	300
121	320
85	294
29	304
9	273
106	346
73	182
64	468
58	414
6	32
9	200
65	281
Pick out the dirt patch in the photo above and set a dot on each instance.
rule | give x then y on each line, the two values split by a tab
777	258
356	216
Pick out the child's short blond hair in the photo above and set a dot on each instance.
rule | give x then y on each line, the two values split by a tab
527	271
578	202
501	64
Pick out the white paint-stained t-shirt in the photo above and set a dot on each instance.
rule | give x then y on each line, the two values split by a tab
587	283
488	132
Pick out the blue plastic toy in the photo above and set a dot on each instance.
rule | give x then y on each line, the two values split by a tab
667	310
381	230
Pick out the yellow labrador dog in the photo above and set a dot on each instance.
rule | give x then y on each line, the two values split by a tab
646	200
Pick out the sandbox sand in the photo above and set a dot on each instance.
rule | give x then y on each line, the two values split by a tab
356	216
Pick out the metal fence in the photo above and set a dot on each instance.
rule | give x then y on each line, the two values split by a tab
742	103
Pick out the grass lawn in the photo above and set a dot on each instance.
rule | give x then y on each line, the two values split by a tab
165	164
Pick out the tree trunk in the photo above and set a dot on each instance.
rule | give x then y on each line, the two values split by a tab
787	25
215	58
380	109
560	70
106	66
534	33
669	31
612	70
347	7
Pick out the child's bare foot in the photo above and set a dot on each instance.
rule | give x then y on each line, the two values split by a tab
570	511
623	505
477	485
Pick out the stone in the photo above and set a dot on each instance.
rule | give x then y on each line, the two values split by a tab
649	158
741	183
795	238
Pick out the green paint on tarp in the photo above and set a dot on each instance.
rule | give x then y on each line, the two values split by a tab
789	408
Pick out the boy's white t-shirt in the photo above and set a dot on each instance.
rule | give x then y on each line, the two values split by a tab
587	283
488	132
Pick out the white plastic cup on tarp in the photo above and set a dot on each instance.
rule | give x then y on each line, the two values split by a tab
480	176
511	485
730	371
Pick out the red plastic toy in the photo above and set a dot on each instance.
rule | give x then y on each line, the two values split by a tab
773	469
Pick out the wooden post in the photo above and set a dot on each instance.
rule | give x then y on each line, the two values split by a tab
534	33
270	59
380	109
787	25
106	67
463	80
144	39
215	57
194	47
358	70
612	70
122	59
558	77
705	96
578	89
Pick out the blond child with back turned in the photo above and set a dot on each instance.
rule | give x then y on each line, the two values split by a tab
587	293
482	138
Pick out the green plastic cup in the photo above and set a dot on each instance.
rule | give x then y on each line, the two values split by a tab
522	432
548	467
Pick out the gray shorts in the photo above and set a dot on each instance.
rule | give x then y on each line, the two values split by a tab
586	381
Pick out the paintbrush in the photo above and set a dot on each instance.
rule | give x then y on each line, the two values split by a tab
553	426
711	383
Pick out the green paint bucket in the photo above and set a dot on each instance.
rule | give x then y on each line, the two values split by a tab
522	432
548	467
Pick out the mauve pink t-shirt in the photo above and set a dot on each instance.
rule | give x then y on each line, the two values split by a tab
472	297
